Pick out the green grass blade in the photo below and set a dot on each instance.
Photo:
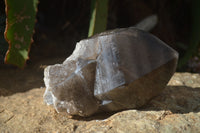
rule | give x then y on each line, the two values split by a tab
99	13
19	30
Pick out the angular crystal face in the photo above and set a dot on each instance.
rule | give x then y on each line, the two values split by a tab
115	70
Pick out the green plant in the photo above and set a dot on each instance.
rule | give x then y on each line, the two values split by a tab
20	25
19	30
99	13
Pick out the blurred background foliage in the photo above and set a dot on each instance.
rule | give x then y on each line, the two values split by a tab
61	23
3	43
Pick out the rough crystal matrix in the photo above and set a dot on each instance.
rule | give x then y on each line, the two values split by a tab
115	70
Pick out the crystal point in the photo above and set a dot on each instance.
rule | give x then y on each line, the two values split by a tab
115	70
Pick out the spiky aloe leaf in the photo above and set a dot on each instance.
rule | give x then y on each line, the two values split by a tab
19	29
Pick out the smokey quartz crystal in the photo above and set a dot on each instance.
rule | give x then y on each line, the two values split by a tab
112	71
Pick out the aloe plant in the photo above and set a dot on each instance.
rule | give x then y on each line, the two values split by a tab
19	29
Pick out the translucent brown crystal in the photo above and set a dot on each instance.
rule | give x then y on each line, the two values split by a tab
114	70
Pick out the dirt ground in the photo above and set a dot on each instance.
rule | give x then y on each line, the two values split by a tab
22	108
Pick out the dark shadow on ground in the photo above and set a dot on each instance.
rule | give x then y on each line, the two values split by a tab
14	80
177	99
